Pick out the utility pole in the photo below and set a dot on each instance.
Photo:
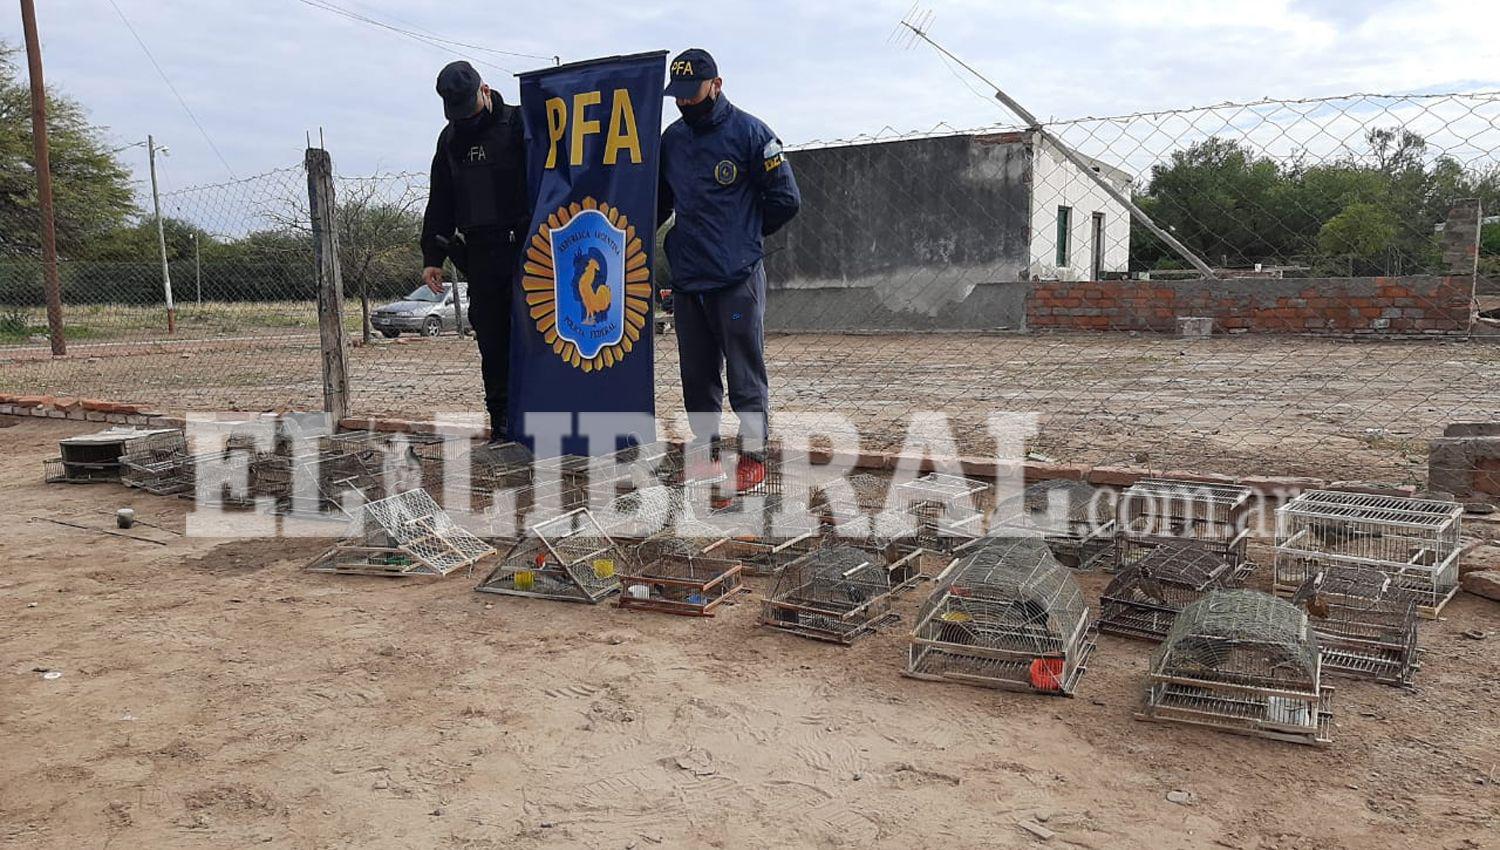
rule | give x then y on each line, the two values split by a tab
43	165
161	238
197	269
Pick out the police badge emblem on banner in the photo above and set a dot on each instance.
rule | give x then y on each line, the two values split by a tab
581	329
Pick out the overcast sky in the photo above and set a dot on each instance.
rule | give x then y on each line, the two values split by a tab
260	73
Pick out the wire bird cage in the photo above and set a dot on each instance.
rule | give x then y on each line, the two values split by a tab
1242	661
1076	519
402	535
701	469
676	577
1144	598
476	472
579	473
1366	624
1154	511
1004	615
1414	541
837	594
569	557
92	458
159	471
859	495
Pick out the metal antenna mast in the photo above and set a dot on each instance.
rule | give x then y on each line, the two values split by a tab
915	25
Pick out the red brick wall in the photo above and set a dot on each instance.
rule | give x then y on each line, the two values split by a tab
1379	305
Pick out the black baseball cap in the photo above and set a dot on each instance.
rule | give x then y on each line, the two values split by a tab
688	71
458	83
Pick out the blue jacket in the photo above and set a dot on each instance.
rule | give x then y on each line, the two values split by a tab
730	185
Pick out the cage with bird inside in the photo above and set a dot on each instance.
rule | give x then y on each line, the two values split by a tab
1414	541
846	500
933	516
1365	622
402	535
1143	599
1005	614
837	593
675	576
568	557
1154	511
1077	520
1242	661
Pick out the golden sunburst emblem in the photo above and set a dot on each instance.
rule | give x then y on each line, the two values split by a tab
587	284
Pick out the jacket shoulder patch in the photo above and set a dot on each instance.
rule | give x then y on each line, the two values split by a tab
773	155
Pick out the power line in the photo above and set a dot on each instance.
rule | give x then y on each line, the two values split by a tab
175	93
429	38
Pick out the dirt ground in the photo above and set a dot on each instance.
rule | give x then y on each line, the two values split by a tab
1278	405
213	694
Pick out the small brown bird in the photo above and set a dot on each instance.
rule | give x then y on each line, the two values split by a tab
1317	607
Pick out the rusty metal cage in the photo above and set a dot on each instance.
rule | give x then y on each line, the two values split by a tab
1242	661
1365	622
1077	520
1144	598
402	535
1004	615
837	594
569	557
1414	541
1154	511
674	576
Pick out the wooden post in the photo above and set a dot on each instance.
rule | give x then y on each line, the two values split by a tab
320	202
50	282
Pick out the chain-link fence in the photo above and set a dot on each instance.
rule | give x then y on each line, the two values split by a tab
947	271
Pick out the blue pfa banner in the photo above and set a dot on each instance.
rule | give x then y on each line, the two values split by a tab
582	320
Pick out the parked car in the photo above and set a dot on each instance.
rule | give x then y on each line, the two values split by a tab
423	311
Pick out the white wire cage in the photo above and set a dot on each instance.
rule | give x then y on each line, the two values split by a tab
1366	624
836	594
1005	615
1077	520
675	576
95	458
1414	541
403	535
569	558
1242	661
1153	511
1143	599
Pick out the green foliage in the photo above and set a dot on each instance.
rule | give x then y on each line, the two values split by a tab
1360	235
90	188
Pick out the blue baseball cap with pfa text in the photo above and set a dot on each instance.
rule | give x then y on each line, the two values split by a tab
458	84
688	71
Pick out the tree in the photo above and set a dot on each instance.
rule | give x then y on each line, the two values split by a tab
378	239
1361	236
90	188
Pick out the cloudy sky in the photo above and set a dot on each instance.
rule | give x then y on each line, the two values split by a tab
258	74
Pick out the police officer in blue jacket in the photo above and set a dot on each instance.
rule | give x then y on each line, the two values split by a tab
724	174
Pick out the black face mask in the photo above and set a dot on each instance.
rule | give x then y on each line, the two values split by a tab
697	114
472	122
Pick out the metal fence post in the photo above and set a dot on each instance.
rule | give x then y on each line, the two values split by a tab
330	282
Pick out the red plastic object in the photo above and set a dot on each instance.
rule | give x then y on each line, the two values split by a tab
1047	673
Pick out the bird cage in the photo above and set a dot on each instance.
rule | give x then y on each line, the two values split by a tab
1076	519
92	458
1242	661
160	471
569	557
658	459
1004	615
1154	511
722	493
837	594
1144	598
765	556
402	535
674	576
1415	541
578	473
862	495
1366	624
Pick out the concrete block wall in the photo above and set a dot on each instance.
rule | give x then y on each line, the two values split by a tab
1411	305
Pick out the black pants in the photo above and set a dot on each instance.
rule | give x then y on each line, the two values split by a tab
724	332
492	279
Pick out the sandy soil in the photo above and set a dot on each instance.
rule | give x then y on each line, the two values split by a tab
1278	405
212	694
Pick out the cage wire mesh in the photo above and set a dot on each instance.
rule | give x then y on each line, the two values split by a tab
400	535
1077	520
1004	615
1415	541
836	593
568	557
1155	511
95	458
675	576
1242	661
1144	598
1366	624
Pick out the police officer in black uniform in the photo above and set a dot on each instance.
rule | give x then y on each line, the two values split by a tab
477	213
